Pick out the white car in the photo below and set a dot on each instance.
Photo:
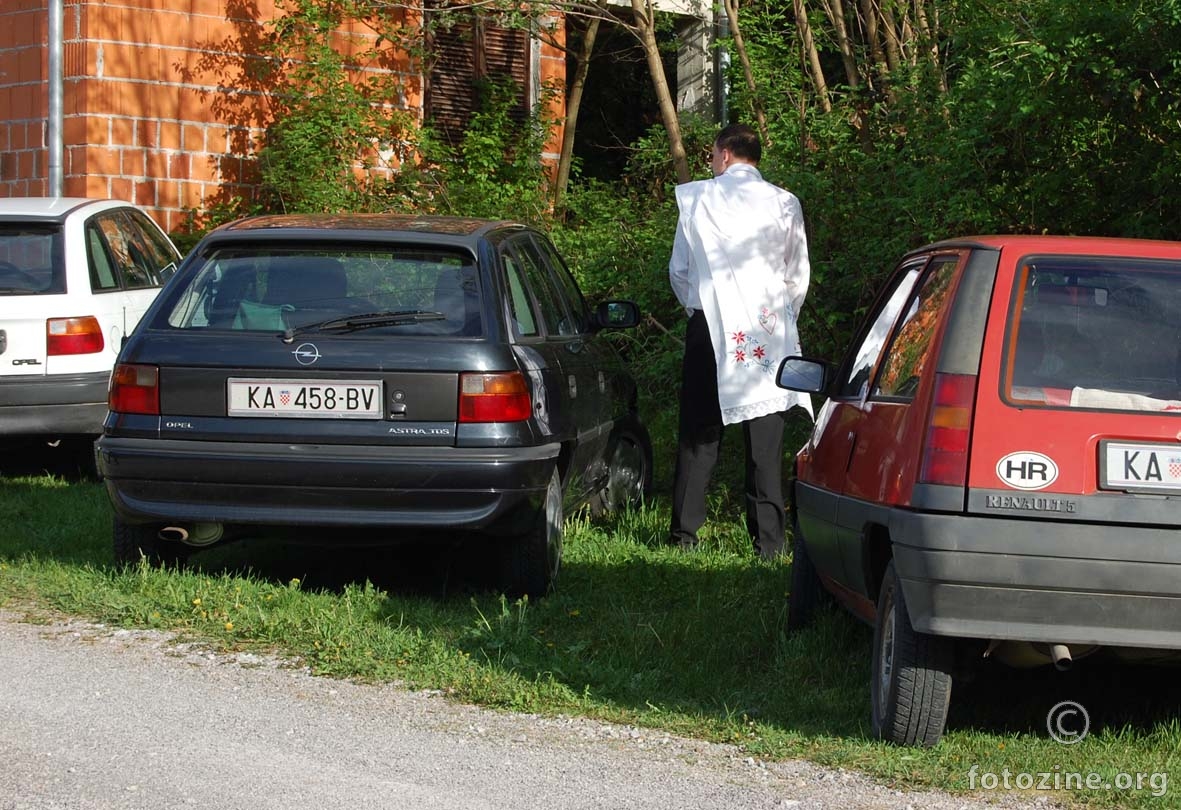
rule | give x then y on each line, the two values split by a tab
76	274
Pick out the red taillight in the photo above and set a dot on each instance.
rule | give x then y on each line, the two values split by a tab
135	389
502	397
945	451
73	336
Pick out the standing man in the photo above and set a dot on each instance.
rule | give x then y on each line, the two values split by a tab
740	268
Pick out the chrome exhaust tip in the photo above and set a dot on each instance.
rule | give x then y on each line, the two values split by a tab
173	534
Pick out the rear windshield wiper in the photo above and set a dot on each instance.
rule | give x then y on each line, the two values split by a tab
367	321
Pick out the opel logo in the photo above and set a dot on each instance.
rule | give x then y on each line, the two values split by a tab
306	354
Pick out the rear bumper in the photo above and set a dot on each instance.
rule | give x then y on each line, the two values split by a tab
53	405
271	484
1028	580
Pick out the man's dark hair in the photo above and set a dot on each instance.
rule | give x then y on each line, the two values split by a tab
742	141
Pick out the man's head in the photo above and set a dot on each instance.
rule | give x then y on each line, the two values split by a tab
736	143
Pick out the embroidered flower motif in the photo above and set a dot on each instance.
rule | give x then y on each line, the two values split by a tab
749	352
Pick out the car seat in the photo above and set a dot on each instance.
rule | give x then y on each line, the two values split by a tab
299	291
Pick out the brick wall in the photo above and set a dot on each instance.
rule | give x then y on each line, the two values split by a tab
158	108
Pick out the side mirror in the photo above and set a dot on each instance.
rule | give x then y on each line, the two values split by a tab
802	374
617	315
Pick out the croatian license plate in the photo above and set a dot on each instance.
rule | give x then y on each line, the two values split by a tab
1140	467
309	399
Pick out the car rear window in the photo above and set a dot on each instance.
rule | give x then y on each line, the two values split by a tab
1096	333
30	259
405	291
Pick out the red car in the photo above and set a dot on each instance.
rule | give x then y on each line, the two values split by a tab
997	469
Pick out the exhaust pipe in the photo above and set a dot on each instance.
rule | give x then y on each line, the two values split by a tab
1060	655
174	534
197	535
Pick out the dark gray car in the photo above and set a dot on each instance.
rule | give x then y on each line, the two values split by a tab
371	378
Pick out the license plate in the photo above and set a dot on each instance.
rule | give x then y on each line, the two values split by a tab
309	399
1140	467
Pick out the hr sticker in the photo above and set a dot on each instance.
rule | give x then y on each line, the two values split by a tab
1027	470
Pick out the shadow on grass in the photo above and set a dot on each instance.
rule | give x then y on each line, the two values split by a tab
651	631
71	459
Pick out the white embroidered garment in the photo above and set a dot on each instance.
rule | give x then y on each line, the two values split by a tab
741	256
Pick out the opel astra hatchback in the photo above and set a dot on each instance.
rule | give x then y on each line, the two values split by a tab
367	378
75	276
997	470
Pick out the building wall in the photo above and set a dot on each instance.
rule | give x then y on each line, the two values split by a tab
158	108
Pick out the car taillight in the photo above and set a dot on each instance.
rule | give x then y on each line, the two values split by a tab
134	389
945	451
501	397
73	336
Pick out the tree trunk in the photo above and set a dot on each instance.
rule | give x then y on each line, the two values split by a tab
893	47
573	102
740	46
930	40
835	11
646	28
811	54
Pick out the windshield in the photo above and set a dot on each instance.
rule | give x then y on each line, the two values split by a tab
30	262
300	291
1097	333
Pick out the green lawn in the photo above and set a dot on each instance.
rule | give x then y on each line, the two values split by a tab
689	642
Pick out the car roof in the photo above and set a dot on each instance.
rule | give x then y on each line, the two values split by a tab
1072	245
381	227
53	209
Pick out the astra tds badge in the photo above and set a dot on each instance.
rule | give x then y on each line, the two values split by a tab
306	354
1027	470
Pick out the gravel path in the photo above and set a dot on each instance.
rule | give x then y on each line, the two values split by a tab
95	717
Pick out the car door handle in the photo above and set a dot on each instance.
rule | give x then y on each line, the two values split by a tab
852	447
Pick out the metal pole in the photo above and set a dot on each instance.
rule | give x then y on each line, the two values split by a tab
53	133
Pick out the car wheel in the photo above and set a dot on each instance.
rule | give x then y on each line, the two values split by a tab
133	541
807	594
629	470
911	686
532	559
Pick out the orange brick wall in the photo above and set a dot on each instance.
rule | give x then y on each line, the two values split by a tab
154	112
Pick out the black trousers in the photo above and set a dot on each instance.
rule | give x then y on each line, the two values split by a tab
698	441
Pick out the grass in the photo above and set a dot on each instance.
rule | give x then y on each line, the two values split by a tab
638	633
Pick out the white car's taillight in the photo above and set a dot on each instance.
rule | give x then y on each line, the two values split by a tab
81	335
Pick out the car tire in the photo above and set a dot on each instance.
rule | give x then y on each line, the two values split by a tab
532	559
135	541
629	470
911	682
807	594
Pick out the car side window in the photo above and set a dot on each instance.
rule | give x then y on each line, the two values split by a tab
159	255
102	268
129	258
567	287
859	368
902	368
520	310
537	280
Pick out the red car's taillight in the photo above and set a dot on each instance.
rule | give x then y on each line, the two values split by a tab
135	389
73	336
945	449
500	397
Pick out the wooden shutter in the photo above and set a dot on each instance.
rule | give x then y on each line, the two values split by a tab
472	48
